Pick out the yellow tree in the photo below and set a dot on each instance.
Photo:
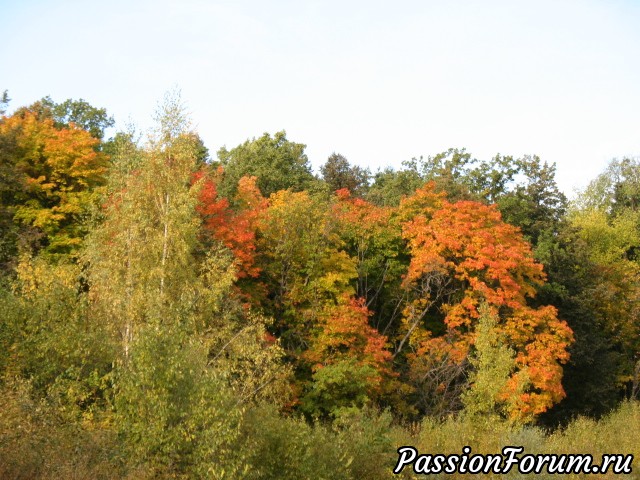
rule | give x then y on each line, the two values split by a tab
57	170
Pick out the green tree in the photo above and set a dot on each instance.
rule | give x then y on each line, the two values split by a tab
140	255
535	204
614	190
190	356
492	362
177	417
50	337
78	112
339	174
4	102
278	163
592	376
390	186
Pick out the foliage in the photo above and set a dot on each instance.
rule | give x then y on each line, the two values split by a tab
339	174
464	251
277	163
493	362
235	228
77	112
165	316
54	341
38	442
54	173
390	186
176	417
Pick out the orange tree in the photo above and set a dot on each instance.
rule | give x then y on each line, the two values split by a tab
463	255
57	171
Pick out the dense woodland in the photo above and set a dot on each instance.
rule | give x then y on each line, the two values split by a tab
171	313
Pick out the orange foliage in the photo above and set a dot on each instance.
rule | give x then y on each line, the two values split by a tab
59	168
344	332
490	262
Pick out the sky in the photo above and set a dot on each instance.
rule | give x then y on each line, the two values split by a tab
379	82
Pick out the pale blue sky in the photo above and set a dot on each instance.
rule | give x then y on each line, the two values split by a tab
379	82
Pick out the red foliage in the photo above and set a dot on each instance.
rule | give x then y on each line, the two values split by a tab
235	228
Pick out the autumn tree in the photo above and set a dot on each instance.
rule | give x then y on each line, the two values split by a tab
311	294
301	259
54	173
462	255
349	360
188	352
372	236
233	227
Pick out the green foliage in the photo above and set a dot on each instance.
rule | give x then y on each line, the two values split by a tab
536	205
278	163
54	341
79	112
290	449
369	440
609	240
614	190
339	174
337	389
390	186
493	362
4	102
591	377
140	257
176	417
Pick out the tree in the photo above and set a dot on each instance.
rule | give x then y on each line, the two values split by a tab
77	112
54	341
235	228
301	258
190	355
277	163
339	174
536	205
372	237
614	190
349	359
592	377
390	186
56	172
140	256
4	102
177	417
610	242
493	363
450	171
463	254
